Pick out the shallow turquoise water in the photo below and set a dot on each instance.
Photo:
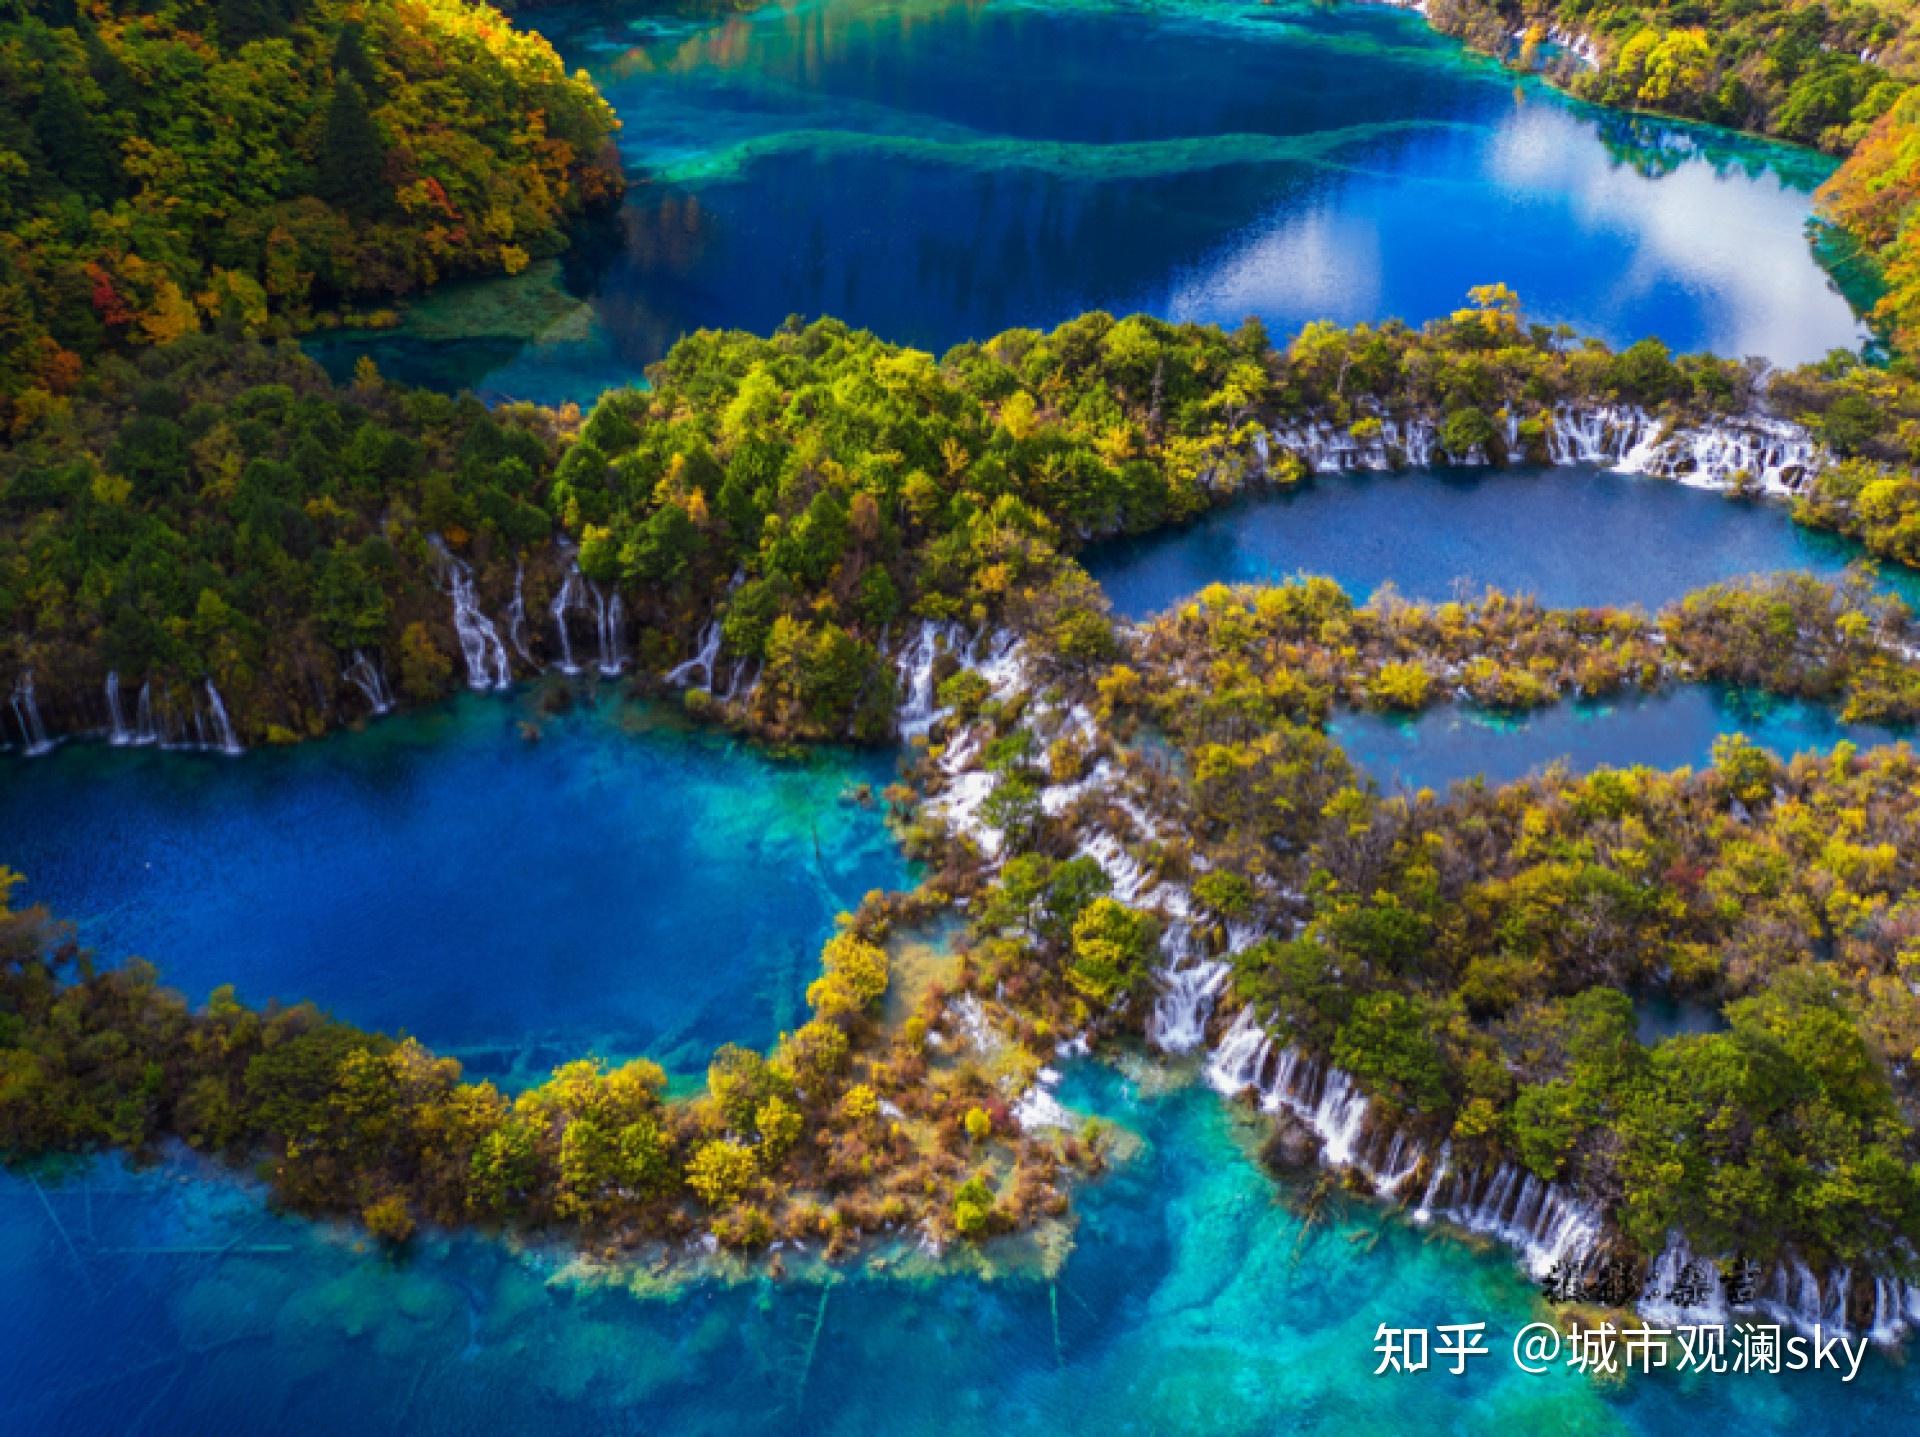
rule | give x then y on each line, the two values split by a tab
1569	536
622	884
1668	730
1193	1303
938	170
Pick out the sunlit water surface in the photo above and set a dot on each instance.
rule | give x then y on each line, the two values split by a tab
939	170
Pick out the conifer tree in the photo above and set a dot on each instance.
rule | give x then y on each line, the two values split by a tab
352	157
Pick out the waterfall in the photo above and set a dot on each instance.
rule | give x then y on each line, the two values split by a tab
120	735
517	616
568	596
229	744
1544	1221
365	675
746	678
1240	1058
143	730
1178	1023
1442	1165
611	617
915	666
486	656
1676	1258
26	713
704	659
1774	455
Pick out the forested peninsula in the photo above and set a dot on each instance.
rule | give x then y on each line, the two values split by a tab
773	522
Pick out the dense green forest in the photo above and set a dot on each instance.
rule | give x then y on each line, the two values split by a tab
217	509
252	166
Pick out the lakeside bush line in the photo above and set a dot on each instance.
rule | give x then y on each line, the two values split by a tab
254	165
219	510
1298	651
1810	71
845	1131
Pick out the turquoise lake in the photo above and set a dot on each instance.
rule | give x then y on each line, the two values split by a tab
1666	730
621	886
939	170
1569	536
1192	1303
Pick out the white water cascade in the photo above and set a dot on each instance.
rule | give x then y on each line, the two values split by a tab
364	674
703	659
143	730
480	646
1545	1222
119	735
26	713
229	743
915	665
1178	1023
568	597
1322	1096
1775	456
610	615
517	617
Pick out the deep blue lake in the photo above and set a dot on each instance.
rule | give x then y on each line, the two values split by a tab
1569	536
621	886
938	170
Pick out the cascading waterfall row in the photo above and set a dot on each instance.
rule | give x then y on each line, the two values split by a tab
1549	1226
203	724
1773	455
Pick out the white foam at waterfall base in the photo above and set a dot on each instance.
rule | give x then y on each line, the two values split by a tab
1038	1109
